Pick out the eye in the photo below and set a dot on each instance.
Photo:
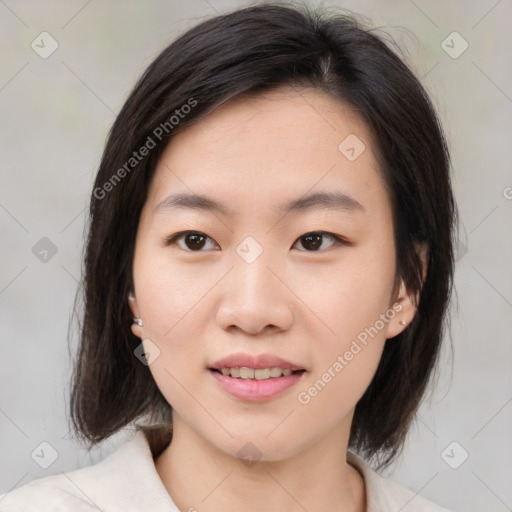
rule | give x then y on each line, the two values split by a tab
194	241
313	241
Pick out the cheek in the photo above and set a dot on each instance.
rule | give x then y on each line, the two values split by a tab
344	365
351	316
335	390
348	297
169	294
170	305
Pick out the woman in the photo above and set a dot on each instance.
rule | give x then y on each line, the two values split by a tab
268	269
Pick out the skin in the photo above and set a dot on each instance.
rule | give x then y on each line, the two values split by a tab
301	304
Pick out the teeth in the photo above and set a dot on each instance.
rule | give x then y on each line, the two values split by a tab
258	374
262	373
246	373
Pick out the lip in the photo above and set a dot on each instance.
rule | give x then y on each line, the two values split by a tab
255	390
240	360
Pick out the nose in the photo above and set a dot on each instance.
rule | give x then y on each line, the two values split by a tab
255	298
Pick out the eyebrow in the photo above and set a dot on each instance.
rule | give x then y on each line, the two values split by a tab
330	200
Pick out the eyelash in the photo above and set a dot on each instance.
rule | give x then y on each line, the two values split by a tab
172	240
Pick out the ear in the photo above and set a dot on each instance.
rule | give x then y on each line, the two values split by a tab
134	308
405	304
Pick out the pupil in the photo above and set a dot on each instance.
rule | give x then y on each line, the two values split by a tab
197	243
317	243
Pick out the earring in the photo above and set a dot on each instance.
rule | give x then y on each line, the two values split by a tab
402	322
137	321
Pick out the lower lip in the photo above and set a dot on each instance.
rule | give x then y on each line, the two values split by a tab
256	390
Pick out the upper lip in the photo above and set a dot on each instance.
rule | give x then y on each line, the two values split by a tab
240	360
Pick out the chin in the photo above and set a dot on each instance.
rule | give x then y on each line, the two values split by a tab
257	447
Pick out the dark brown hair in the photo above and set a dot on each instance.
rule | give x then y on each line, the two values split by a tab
246	52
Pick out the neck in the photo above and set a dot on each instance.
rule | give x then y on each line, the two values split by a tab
198	476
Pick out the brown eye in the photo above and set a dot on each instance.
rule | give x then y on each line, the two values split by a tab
312	242
192	241
195	241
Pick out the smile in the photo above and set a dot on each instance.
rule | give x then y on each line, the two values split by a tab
257	373
253	389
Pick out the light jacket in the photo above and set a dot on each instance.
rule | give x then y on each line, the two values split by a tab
127	481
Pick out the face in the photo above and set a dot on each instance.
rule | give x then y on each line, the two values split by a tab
294	270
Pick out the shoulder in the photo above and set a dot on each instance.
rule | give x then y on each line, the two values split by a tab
384	495
51	493
124	480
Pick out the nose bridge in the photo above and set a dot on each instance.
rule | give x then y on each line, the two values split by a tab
252	279
253	296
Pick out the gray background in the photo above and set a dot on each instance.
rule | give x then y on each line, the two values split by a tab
56	113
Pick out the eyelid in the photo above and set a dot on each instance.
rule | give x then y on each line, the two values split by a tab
337	240
171	240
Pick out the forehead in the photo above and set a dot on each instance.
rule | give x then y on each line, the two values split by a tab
271	147
285	118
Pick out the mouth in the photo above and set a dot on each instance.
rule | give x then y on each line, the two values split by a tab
255	378
256	373
269	363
